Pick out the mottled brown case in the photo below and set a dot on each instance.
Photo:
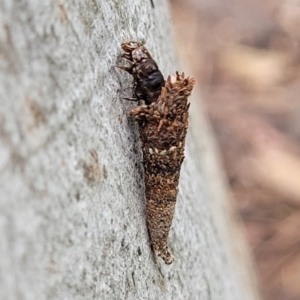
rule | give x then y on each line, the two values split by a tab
163	123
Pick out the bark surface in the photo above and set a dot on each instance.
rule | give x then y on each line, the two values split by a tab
72	197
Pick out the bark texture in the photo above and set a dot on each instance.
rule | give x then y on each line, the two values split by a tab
72	205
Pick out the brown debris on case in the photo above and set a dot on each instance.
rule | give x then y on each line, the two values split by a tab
162	128
162	125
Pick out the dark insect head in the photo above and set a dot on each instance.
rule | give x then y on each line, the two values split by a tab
154	81
145	67
148	80
151	86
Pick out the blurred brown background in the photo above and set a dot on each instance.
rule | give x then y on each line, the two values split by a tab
246	60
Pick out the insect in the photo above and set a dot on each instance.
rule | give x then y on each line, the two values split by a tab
163	123
148	80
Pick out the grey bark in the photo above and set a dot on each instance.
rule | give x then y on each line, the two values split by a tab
73	225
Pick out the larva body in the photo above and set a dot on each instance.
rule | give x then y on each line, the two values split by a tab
162	126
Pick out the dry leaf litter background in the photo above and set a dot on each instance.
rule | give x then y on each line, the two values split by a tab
245	55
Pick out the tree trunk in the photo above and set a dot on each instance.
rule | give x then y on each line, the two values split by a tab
72	204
